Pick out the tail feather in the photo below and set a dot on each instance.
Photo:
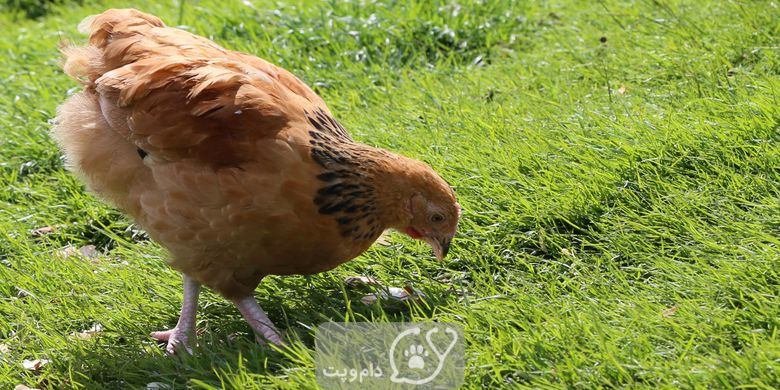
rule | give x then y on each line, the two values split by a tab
117	23
83	63
87	63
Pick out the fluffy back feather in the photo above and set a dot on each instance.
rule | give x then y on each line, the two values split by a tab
87	63
175	94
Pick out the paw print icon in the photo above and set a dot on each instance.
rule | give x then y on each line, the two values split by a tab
416	360
416	356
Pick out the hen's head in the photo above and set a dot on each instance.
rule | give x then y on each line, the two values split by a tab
433	211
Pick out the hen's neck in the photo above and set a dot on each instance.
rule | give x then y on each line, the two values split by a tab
364	189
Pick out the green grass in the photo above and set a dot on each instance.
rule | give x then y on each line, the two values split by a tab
617	162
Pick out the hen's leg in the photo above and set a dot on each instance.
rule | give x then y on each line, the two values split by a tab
180	335
258	320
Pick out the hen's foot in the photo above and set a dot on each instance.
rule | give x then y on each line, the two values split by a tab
264	329
176	339
180	334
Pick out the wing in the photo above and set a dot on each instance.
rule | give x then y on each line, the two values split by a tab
209	110
177	95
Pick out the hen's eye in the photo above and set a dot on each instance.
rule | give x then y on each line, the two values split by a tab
437	218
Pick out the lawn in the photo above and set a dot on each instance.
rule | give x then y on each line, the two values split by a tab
617	162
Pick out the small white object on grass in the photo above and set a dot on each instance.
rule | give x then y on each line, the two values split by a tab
157	386
34	365
382	292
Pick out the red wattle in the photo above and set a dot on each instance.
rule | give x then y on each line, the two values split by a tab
412	232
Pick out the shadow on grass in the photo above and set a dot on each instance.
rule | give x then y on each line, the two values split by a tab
129	357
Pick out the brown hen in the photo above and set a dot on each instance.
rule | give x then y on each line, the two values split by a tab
232	164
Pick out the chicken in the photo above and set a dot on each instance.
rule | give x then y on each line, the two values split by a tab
232	164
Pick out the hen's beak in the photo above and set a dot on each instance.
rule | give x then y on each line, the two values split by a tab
440	246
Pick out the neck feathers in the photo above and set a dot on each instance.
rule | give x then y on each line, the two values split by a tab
364	189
